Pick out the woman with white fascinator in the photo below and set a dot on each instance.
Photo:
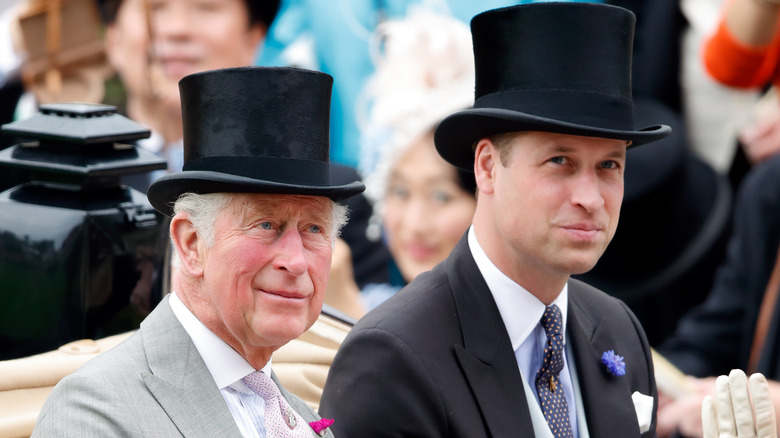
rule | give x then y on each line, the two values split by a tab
422	204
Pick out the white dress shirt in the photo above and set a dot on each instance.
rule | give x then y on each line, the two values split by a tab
227	367
522	313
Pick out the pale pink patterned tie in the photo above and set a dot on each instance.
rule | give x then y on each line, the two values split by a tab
281	421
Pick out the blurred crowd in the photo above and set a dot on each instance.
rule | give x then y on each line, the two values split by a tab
695	255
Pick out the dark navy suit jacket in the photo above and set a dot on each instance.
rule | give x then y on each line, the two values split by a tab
435	360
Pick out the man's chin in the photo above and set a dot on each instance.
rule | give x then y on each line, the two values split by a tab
582	266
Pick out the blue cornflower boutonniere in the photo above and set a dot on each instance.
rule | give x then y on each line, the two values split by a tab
614	363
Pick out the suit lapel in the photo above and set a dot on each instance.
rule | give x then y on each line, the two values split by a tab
607	399
486	357
180	380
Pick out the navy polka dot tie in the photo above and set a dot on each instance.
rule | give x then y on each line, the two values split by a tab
548	381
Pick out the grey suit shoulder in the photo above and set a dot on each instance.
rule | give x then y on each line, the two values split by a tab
153	384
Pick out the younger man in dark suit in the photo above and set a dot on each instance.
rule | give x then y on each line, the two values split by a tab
497	340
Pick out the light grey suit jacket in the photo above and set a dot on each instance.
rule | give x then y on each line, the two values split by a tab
153	384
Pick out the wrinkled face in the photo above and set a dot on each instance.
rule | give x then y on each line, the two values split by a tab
265	276
426	211
188	36
556	202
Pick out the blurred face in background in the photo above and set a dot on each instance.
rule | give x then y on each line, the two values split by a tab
154	43
426	210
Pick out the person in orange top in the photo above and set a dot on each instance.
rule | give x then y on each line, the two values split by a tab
744	52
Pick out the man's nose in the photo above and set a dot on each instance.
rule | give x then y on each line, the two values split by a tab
586	191
290	252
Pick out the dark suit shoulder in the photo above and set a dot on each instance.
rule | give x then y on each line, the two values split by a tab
415	303
596	309
596	302
389	375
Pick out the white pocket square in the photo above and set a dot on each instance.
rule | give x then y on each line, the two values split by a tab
643	404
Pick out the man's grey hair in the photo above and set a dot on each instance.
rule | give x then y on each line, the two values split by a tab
203	211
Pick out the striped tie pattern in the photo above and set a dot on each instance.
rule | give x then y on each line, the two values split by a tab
548	381
281	421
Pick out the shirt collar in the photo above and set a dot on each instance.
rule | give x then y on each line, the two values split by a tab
520	310
226	366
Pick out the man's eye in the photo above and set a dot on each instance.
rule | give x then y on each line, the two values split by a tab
315	229
558	160
266	226
609	164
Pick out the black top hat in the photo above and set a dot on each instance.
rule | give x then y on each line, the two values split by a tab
254	130
556	67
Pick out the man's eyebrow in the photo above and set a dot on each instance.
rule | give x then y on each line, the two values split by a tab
253	210
558	147
618	152
247	208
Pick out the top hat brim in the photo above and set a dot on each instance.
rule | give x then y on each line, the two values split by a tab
456	134
164	192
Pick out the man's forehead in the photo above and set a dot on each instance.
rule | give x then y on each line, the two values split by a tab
568	142
276	202
564	137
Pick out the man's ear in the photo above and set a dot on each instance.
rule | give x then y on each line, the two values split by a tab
486	159
186	244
